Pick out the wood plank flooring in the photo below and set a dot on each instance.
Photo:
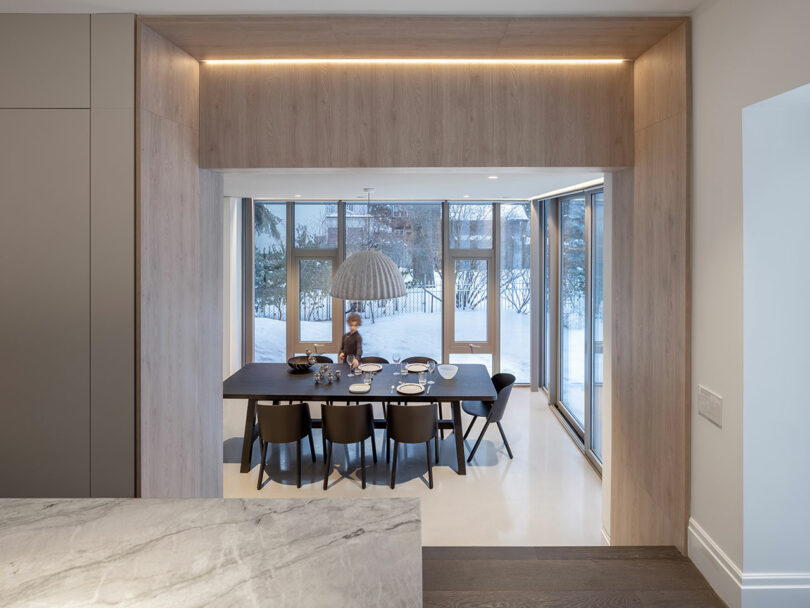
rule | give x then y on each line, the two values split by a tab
571	577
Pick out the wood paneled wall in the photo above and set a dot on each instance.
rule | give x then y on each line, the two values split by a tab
180	416
650	298
259	116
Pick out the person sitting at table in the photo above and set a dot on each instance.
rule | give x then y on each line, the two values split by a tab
352	343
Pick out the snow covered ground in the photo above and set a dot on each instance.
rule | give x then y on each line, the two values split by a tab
408	334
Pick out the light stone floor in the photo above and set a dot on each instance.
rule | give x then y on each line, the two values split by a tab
548	495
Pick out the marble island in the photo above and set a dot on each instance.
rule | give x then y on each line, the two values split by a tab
210	552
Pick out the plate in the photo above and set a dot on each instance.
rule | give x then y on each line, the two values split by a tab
416	367
359	388
410	388
369	367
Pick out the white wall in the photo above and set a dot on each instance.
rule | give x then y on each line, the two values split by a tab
744	51
232	286
776	401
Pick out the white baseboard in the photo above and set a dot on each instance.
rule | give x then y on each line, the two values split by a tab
745	589
605	537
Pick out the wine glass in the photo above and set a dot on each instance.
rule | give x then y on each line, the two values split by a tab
431	368
350	361
397	358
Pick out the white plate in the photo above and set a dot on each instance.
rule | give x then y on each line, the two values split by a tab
416	367
359	388
369	367
410	388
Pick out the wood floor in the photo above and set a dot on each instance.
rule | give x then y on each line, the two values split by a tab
586	577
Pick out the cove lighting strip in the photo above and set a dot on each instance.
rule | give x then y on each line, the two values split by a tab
405	61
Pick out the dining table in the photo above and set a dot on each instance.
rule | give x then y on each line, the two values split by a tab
276	382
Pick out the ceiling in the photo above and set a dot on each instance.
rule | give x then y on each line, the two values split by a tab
411	36
423	7
403	184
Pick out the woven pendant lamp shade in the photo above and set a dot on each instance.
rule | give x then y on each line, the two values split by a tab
368	275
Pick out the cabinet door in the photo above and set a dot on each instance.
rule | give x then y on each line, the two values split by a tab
45	303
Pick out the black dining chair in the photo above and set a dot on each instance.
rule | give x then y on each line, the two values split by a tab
379	360
323	359
413	424
426	360
284	424
491	411
348	424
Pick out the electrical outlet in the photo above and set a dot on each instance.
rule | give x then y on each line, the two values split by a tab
710	405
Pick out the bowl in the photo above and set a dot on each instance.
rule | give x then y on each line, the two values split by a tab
448	372
300	363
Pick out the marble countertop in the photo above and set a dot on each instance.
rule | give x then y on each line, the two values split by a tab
210	552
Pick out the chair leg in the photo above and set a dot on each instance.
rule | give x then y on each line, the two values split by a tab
394	465
387	447
298	463
311	446
477	443
505	442
328	460
263	446
441	416
469	428
373	443
430	467
363	463
436	440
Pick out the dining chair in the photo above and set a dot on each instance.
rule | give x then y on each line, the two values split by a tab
426	360
492	411
413	424
323	359
284	424
348	424
380	360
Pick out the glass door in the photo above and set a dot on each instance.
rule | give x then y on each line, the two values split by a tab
315	318
573	271
472	318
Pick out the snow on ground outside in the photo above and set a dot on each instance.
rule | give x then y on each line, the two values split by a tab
421	334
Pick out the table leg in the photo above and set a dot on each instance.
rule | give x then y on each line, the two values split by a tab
247	442
457	433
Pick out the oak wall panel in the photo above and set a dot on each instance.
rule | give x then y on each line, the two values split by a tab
263	116
180	316
650	302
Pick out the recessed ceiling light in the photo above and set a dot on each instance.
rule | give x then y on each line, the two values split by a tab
492	177
466	196
297	196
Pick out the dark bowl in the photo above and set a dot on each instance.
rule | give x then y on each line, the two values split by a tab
299	363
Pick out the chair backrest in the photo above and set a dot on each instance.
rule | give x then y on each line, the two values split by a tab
412	423
323	359
503	385
418	360
284	423
373	360
347	423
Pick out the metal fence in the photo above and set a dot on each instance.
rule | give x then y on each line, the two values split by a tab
317	305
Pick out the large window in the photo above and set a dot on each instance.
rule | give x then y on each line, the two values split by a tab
573	293
515	288
270	281
598	319
411	235
466	267
572	307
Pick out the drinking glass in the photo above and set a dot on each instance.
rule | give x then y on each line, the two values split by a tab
422	379
431	367
350	361
397	358
367	378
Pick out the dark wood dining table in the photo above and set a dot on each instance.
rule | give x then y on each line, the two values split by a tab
276	382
